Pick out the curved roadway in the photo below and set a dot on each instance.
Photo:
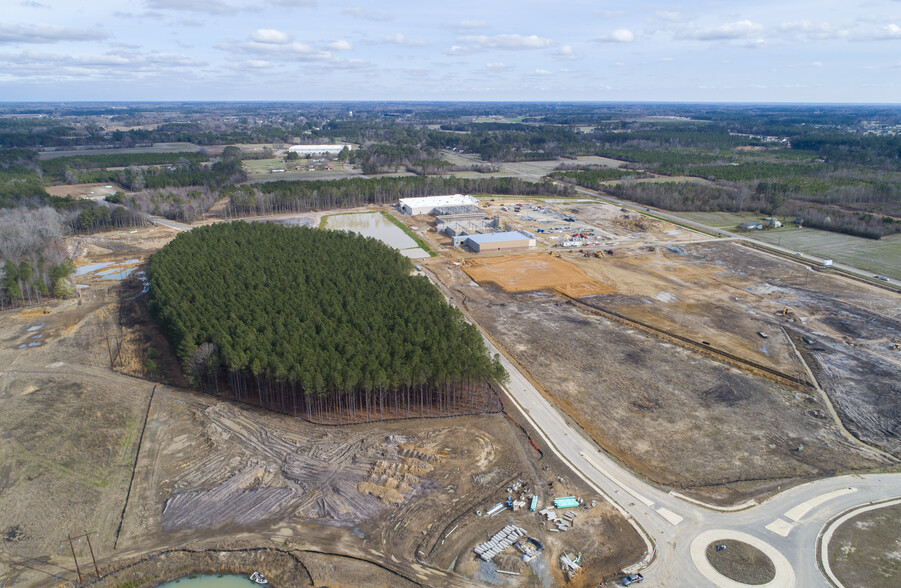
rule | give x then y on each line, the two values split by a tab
790	522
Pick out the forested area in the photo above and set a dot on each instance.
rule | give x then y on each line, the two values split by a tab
91	168
302	196
312	322
33	261
595	178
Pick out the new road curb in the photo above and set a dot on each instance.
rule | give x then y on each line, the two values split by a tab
830	528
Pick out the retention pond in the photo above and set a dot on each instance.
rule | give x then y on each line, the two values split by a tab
373	224
210	582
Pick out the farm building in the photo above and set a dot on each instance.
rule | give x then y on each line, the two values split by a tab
318	149
750	226
428	204
499	241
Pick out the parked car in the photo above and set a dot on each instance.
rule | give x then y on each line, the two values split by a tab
632	579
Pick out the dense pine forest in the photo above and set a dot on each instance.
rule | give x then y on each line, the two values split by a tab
325	325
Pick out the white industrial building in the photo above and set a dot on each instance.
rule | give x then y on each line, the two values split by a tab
499	241
427	205
318	149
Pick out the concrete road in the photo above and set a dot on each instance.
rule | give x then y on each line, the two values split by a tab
790	522
676	529
158	220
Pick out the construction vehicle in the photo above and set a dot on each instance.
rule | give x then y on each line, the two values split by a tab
895	347
785	311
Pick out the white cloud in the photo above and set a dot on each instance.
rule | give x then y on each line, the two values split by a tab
280	51
610	13
472	24
743	29
129	61
497	66
817	64
257	64
473	43
365	14
41	33
294	3
670	15
205	6
805	30
618	36
888	32
340	45
667	59
566	52
543	72
272	36
402	40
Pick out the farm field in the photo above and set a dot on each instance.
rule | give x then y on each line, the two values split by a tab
156	148
724	220
90	191
881	256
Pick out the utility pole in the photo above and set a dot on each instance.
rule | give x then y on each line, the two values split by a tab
94	559
77	569
87	536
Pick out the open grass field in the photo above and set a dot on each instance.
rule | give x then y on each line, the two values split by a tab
156	148
866	550
880	257
722	220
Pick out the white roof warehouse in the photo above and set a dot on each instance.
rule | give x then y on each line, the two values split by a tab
416	206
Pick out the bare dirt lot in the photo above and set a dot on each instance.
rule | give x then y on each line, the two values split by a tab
866	550
675	408
90	191
206	474
535	272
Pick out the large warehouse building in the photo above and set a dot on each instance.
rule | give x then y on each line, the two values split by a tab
318	149
499	241
427	205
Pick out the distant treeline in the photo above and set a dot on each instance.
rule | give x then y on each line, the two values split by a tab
594	178
737	197
76	168
300	196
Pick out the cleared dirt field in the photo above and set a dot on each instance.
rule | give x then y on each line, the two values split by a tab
206	474
866	550
535	272
90	191
672	377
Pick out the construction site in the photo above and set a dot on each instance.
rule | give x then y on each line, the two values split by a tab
108	444
641	330
703	365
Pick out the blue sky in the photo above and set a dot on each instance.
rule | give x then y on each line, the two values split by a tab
738	51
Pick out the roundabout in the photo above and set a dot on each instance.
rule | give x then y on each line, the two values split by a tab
783	576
